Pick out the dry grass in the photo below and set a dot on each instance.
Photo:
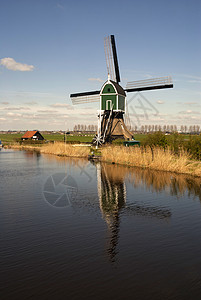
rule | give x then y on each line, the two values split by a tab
62	149
23	147
58	148
158	160
131	156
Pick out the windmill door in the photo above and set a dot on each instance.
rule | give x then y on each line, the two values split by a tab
108	104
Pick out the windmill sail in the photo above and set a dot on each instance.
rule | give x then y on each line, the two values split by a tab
85	97
149	84
111	58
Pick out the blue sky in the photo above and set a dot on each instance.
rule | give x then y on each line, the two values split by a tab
49	49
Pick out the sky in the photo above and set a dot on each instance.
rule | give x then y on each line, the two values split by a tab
52	48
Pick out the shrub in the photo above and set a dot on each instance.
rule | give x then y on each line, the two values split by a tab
156	139
118	142
193	147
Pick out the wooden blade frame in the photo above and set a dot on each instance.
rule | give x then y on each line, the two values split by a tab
149	84
111	58
85	99
116	65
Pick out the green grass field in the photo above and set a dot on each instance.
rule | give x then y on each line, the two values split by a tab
10	138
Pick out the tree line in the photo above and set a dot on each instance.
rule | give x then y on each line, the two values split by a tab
166	128
147	128
82	127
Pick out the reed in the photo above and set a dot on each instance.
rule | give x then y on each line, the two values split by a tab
62	149
155	158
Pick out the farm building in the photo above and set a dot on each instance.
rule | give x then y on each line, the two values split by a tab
32	135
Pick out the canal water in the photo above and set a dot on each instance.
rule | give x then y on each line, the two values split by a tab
72	229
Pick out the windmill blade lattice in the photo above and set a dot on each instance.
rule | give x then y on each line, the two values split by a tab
85	99
111	58
149	84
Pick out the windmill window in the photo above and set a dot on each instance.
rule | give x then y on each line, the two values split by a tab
108	89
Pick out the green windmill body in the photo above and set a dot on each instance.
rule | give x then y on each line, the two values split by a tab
113	106
112	97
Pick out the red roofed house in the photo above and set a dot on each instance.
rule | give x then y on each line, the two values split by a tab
32	135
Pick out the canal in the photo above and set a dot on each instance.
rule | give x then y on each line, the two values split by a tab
72	229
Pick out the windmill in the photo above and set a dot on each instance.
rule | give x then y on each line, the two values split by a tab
112	97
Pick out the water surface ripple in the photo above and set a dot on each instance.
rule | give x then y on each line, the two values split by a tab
71	229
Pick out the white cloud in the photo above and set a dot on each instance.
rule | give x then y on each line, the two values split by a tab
47	111
189	112
62	105
10	114
16	108
31	103
96	79
192	103
11	64
160	102
60	6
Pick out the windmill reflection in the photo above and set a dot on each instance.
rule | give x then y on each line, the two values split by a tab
112	198
112	201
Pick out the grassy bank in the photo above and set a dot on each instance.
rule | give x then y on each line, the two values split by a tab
57	148
154	158
65	150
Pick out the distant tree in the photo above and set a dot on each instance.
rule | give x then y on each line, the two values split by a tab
197	128
145	128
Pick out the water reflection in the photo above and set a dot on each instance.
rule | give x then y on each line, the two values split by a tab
111	183
32	154
112	198
156	181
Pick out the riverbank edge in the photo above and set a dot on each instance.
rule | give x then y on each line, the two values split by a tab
190	167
